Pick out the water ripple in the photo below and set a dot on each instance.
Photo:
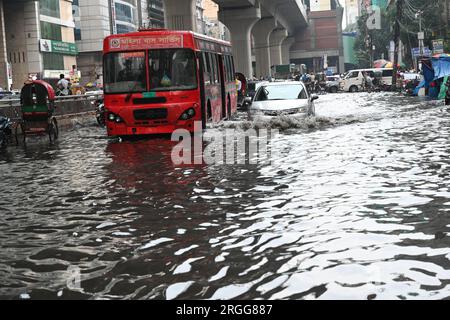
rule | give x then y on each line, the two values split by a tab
354	206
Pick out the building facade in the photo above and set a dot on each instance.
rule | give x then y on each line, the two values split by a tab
320	45
213	27
97	19
351	12
36	39
156	14
199	13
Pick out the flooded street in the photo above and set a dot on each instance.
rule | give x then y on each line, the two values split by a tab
355	206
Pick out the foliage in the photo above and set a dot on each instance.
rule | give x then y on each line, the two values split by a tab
367	38
433	24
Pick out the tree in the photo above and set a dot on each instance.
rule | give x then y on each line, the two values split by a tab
434	25
367	38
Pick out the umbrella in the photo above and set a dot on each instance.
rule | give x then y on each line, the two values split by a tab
390	64
380	63
441	55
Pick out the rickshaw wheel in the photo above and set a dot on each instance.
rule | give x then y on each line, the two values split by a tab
53	130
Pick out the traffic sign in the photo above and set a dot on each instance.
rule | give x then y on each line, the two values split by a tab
438	46
426	52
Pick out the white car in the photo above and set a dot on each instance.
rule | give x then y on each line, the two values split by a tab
283	98
353	80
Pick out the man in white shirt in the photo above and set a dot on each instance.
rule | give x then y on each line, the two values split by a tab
63	85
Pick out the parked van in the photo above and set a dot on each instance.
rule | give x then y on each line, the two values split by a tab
353	80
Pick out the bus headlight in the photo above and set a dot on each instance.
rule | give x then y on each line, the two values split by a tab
114	118
188	114
111	116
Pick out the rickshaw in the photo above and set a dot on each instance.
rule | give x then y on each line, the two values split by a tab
37	101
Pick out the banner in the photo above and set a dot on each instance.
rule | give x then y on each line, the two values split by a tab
54	46
426	52
438	46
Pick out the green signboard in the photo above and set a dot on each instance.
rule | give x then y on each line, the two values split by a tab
349	51
54	46
64	47
380	3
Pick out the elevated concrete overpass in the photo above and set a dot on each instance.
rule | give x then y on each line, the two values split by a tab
272	23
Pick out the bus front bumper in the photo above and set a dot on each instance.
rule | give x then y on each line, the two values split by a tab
122	129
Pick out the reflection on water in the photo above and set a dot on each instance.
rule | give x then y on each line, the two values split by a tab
355	205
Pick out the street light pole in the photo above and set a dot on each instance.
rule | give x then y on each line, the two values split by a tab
396	41
420	34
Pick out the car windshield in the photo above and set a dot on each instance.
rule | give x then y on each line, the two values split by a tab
125	72
281	92
173	69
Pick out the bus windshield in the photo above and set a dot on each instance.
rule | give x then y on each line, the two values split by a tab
172	70
125	72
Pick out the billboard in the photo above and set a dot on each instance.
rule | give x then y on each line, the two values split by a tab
438	46
320	5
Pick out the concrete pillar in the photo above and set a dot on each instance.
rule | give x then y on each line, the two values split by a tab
180	15
276	39
261	33
3	52
240	22
286	50
32	30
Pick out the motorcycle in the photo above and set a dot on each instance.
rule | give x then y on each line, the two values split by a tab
447	92
100	113
5	132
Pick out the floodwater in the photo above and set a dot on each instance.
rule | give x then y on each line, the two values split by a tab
355	205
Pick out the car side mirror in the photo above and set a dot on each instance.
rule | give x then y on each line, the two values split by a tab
314	97
248	100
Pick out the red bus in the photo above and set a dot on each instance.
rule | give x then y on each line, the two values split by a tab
157	81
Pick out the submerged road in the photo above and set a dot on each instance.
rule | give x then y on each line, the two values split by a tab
355	206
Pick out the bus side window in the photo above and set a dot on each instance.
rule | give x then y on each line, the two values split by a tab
225	68
216	57
206	68
214	67
228	69
210	67
232	65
